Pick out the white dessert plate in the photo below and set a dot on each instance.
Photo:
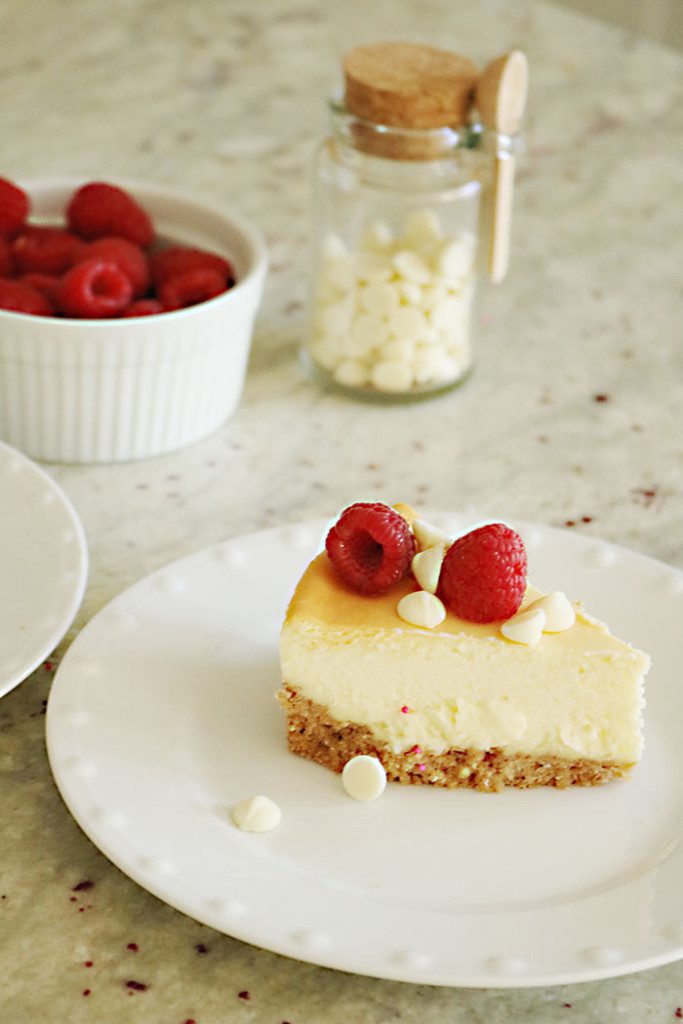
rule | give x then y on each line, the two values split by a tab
162	717
43	566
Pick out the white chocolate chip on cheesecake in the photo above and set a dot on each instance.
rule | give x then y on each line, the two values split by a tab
421	609
525	627
426	567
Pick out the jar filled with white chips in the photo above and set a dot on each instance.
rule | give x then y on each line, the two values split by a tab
398	217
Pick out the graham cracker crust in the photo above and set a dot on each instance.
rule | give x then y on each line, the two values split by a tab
312	733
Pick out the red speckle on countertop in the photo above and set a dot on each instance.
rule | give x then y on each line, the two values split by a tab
567	1006
645	495
601	398
201	948
570	522
87	963
86	991
678	1012
244	995
137	986
83	886
133	947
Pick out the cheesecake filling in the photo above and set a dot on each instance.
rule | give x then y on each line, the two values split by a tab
574	695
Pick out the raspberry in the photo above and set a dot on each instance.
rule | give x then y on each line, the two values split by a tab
178	259
371	547
97	210
128	258
22	298
48	250
483	576
6	259
14	207
144	307
190	288
47	284
95	288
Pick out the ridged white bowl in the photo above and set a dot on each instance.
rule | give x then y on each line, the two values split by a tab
112	390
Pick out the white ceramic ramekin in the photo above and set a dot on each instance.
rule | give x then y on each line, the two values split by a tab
111	390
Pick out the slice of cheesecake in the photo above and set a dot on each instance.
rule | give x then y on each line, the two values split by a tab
459	704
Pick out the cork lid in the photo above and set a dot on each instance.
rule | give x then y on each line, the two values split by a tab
409	85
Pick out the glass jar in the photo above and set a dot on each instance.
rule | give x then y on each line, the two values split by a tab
395	256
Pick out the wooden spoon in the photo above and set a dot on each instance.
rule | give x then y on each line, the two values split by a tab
501	98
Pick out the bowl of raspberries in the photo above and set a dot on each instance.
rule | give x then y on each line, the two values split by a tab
126	317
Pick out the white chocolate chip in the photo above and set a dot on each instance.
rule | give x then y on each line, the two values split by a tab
428	536
379	299
334	247
372	267
426	566
326	351
421	609
432	365
422	225
351	373
391	375
454	262
408	322
335	319
431	296
256	814
368	332
339	272
409	292
402	350
364	778
559	611
525	627
446	314
377	237
412	267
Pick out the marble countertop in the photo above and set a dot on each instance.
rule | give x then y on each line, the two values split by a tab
229	98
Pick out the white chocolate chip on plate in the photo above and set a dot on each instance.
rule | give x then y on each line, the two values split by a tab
426	566
256	814
525	627
421	609
559	611
364	778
